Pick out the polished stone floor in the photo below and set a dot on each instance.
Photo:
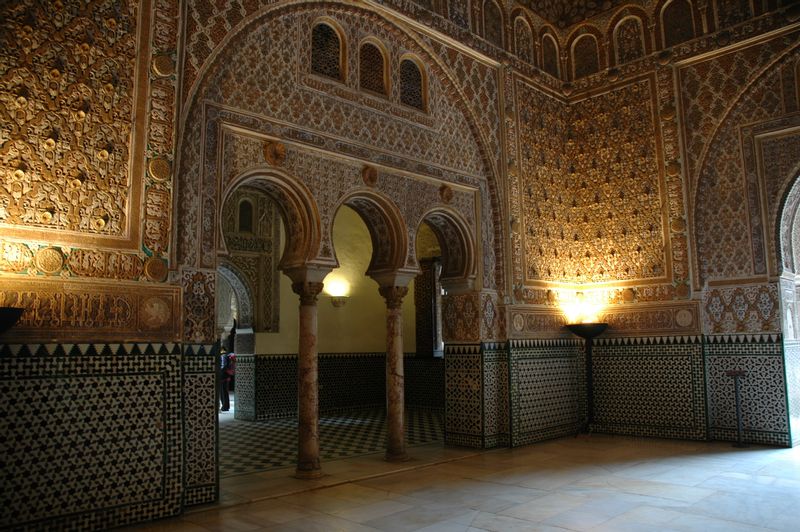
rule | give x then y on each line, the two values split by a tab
587	483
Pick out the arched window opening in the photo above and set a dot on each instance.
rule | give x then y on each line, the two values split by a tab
628	41
523	40
412	85
493	23
245	217
326	52
550	56
585	59
676	21
371	69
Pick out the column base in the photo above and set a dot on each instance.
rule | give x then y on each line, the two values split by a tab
308	474
396	457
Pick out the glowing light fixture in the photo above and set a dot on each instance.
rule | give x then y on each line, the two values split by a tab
338	289
580	307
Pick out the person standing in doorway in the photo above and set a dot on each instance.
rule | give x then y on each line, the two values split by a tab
227	369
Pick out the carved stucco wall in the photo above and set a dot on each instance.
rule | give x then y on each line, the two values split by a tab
263	72
87	100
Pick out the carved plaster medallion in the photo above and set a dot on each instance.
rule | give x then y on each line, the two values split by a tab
518	322
14	257
163	66
160	169
673	168
49	260
682	290
678	225
684	318
154	312
446	193
155	269
370	175
275	153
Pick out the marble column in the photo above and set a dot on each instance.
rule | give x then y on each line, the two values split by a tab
307	380
395	408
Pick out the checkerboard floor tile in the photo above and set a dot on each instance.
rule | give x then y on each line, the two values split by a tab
252	446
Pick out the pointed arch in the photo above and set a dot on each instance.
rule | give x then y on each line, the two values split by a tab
242	290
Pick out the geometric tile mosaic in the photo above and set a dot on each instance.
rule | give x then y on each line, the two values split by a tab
463	395
649	387
547	385
272	444
765	415
91	434
266	385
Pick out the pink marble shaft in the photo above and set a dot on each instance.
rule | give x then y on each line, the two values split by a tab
395	415
308	465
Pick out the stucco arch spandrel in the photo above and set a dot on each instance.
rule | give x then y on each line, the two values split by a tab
298	210
459	261
285	16
725	200
747	88
387	230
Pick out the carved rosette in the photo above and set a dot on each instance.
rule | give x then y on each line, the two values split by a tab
49	260
370	175
275	153
155	269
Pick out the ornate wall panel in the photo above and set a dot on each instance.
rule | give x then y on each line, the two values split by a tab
764	402
650	387
547	389
745	308
461	317
593	193
725	225
93	434
496	395
86	311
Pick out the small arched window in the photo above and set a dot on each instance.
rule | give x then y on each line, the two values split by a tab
493	23
628	40
412	85
326	52
371	68
550	56
677	23
245	217
584	56
523	40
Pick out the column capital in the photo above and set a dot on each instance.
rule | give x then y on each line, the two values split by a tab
393	295
308	292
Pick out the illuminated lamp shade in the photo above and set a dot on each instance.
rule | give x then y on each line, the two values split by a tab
580	307
338	289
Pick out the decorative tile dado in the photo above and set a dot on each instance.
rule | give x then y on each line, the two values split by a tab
650	387
83	311
763	388
94	434
547	389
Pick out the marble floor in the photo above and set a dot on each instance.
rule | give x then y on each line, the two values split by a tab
592	482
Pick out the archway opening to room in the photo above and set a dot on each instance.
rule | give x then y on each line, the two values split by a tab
789	255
